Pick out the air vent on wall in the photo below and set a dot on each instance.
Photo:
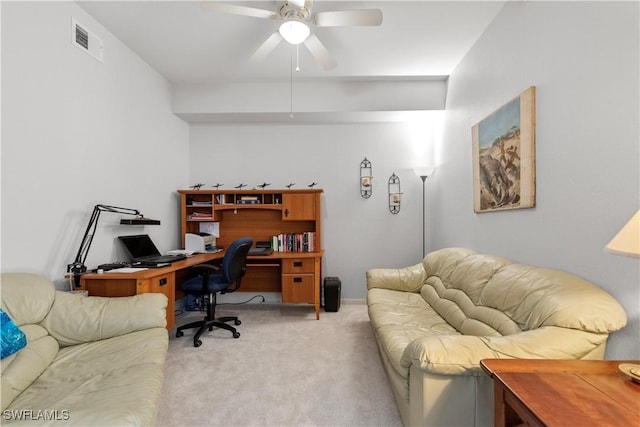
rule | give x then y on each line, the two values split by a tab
85	40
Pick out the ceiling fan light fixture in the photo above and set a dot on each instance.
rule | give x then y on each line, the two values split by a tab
294	32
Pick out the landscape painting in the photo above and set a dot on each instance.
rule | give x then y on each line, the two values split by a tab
504	156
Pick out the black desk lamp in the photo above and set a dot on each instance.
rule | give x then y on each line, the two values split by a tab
78	267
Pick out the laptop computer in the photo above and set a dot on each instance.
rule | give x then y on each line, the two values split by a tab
143	252
260	251
263	248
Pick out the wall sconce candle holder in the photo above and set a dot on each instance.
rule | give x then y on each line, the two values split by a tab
395	195
366	178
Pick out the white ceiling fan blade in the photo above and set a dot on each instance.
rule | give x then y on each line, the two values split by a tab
266	47
348	18
239	10
319	52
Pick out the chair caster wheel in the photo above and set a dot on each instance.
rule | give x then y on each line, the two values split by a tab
197	343
179	334
237	322
236	334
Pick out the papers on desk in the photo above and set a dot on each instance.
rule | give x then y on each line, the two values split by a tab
125	270
180	252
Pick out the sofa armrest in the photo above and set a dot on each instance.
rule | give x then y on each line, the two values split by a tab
408	279
461	354
74	319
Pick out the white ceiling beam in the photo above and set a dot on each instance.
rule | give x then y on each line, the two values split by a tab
370	99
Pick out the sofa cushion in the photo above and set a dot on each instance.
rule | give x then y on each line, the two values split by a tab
486	295
121	376
409	279
458	309
535	297
75	319
396	328
21	369
21	306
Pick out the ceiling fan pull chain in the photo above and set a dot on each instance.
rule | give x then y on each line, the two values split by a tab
297	57
290	84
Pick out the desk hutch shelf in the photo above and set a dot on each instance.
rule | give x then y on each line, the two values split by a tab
278	211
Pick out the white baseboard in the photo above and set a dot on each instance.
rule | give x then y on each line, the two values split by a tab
358	301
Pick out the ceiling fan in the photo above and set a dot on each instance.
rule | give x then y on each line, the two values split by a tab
297	16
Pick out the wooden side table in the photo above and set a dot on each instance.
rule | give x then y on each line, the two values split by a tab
562	393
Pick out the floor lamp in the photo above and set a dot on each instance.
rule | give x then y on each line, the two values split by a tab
424	173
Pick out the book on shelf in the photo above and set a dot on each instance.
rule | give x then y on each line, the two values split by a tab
200	215
248	202
294	242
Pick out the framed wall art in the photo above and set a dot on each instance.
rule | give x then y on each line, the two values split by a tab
504	174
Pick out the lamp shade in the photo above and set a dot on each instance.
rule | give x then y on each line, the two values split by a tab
294	32
139	221
425	171
627	241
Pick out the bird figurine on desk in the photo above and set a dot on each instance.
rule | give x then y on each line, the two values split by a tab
197	186
313	184
291	184
217	186
263	185
239	187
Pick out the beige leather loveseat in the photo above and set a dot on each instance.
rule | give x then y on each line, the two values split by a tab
436	320
88	360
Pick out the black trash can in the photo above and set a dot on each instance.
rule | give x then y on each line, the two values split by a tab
331	292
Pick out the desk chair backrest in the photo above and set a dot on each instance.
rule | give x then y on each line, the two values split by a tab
234	262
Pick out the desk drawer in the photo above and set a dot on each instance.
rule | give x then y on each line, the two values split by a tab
297	265
298	288
163	284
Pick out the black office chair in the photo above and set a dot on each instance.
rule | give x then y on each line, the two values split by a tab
210	280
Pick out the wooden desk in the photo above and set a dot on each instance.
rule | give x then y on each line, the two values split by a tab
161	280
290	219
562	393
295	274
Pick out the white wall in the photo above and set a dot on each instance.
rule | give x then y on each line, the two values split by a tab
358	233
583	59
77	132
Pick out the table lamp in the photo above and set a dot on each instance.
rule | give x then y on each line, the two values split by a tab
627	243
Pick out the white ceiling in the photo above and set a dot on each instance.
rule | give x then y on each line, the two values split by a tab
191	45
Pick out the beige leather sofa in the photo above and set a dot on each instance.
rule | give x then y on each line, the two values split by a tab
88	360
436	320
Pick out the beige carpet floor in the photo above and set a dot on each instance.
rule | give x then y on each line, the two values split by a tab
286	369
